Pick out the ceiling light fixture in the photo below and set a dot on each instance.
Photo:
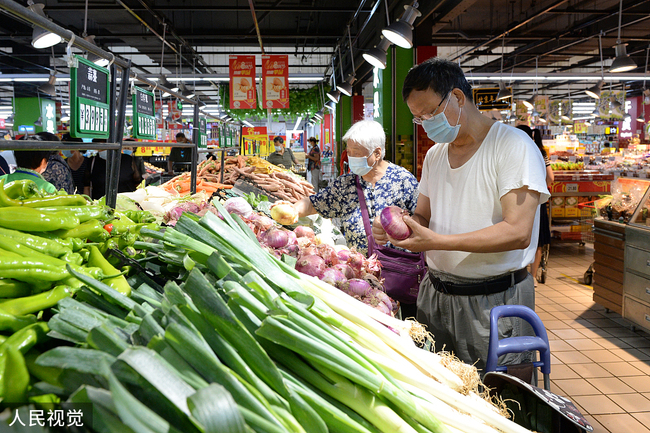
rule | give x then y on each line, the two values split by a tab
613	102
504	92
400	32
334	94
566	115
646	92
49	88
186	92
42	38
530	102
96	59
39	121
65	117
622	62
377	56
346	86
594	91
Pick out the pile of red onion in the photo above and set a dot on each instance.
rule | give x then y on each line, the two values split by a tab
347	270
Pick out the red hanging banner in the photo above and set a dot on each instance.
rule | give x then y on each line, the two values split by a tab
275	80
242	82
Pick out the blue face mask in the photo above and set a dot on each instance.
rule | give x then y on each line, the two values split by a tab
67	153
359	165
438	128
278	148
127	151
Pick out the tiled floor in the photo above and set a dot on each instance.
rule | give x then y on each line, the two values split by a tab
597	360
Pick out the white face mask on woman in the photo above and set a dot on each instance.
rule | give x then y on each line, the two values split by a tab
359	165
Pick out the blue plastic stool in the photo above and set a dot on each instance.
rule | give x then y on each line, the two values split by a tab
498	347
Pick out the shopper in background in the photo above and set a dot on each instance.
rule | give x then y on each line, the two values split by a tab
57	172
344	162
383	183
30	165
137	164
313	163
544	223
179	154
282	155
4	167
95	180
476	216
77	162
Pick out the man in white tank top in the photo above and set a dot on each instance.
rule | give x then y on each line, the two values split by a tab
476	216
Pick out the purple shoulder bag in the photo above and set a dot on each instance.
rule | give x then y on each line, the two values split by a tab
402	271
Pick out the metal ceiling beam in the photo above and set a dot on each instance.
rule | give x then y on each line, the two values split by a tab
511	29
189	8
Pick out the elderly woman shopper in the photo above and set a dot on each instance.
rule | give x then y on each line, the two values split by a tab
383	184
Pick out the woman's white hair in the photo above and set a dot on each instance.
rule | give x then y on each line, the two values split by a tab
368	134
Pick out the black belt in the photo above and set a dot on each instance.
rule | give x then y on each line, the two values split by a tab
484	288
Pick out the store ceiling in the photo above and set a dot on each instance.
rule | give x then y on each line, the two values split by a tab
560	35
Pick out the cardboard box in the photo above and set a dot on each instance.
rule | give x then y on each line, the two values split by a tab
557	207
571	207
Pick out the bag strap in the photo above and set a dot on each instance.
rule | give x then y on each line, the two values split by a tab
365	217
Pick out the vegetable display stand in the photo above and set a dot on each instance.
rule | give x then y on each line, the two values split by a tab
569	189
535	408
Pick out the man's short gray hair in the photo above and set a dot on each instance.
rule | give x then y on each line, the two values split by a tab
369	134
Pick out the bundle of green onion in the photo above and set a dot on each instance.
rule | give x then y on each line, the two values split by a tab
244	343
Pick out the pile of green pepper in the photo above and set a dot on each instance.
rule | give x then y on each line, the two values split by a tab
41	238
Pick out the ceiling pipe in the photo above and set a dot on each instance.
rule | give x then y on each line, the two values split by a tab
588	23
510	30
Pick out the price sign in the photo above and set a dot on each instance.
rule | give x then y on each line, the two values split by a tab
598	159
486	99
553	157
90	103
571	187
612	158
144	114
572	159
203	135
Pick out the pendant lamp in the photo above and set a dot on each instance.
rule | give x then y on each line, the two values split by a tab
42	38
400	32
594	91
377	56
622	62
346	86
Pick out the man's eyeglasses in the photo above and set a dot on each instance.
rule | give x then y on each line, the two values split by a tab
418	120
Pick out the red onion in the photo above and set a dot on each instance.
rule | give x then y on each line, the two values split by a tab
304	242
304	232
311	265
276	238
239	206
345	269
344	255
333	276
308	251
328	253
261	221
356	262
291	250
392	221
291	238
356	287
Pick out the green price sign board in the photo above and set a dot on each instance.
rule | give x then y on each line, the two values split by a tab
89	100
203	135
485	99
144	114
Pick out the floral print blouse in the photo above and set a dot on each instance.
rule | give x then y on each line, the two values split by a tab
397	187
58	174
